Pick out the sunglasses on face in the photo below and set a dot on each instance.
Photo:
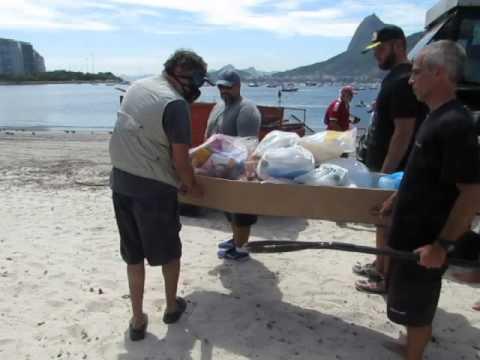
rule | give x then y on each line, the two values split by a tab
196	79
223	87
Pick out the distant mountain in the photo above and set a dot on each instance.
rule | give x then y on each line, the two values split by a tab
349	65
245	74
363	34
134	77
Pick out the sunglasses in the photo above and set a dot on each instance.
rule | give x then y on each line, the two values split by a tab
196	79
224	87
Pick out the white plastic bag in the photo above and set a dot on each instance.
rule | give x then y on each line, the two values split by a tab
274	140
358	174
326	174
326	145
222	156
286	163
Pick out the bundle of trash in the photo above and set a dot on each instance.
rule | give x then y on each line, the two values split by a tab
284	157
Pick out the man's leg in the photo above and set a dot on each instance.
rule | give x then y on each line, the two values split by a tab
241	234
240	224
380	242
377	284
171	273
136	282
417	340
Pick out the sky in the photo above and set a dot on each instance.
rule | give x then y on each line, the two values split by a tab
134	37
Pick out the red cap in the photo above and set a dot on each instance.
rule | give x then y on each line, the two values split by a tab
347	89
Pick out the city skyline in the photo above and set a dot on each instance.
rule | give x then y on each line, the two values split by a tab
136	36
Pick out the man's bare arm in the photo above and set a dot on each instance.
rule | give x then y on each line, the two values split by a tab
184	169
463	211
402	135
458	222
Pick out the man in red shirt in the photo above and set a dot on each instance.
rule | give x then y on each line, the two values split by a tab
337	116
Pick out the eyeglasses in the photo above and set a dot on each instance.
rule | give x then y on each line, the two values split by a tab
224	87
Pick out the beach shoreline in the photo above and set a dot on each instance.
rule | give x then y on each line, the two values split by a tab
65	293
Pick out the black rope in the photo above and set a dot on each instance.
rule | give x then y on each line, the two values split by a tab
278	246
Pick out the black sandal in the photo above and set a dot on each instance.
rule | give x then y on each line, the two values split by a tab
173	317
138	334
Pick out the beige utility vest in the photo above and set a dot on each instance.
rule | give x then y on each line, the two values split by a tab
139	145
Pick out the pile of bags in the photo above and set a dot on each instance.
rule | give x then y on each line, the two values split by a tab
287	158
223	156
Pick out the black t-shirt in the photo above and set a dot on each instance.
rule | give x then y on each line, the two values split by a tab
394	101
176	124
445	153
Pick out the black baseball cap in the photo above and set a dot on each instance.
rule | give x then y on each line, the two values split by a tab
387	33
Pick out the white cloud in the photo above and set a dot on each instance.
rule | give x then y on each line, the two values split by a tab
120	65
46	14
410	15
283	17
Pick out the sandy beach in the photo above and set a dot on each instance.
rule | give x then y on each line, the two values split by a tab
65	294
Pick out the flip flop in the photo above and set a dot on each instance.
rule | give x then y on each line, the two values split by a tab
137	334
476	306
371	287
368	270
173	317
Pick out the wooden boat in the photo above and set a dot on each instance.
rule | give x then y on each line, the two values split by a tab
272	119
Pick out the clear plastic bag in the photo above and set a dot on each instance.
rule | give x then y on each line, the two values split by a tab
326	145
325	174
222	156
285	163
276	139
358	174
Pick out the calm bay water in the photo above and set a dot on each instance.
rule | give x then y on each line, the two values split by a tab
95	106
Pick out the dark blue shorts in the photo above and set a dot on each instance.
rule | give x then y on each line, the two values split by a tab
149	228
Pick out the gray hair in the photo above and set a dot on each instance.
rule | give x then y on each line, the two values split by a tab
447	54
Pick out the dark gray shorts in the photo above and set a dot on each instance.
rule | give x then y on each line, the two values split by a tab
149	228
241	219
413	293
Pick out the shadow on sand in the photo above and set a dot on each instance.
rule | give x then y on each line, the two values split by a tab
253	322
267	227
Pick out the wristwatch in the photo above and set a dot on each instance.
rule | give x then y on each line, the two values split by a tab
447	245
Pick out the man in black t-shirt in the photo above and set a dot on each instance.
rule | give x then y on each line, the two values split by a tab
438	196
397	117
397	112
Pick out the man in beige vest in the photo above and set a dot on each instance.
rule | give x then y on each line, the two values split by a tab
149	154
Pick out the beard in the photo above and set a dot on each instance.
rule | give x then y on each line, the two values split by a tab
228	98
191	94
388	63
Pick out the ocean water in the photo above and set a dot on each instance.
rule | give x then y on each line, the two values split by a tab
86	106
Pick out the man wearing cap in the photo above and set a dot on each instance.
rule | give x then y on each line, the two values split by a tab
397	116
337	115
149	154
234	115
